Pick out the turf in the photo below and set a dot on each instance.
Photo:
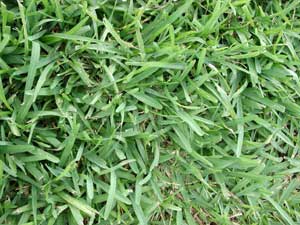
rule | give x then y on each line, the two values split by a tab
149	112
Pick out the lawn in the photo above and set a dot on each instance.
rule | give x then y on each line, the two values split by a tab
154	112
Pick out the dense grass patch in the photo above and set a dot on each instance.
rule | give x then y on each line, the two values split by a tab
149	112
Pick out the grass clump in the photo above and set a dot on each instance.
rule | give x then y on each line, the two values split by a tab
149	112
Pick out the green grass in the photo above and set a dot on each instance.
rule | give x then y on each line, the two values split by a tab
149	112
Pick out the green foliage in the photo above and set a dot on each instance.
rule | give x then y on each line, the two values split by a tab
149	112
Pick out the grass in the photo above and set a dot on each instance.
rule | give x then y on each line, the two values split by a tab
149	112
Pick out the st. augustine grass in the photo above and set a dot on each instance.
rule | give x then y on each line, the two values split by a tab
149	112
